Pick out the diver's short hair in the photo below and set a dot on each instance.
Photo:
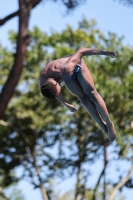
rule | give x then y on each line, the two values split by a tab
48	90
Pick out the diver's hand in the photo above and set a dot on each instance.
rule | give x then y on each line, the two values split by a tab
113	55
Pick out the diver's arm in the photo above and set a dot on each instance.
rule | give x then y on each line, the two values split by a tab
61	98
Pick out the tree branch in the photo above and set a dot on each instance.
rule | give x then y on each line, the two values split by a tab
121	183
4	20
3	123
2	194
35	2
8	17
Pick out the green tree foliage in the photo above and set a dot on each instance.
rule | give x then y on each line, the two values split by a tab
10	193
127	2
42	136
88	194
23	39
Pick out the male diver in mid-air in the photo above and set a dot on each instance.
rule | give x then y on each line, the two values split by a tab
73	71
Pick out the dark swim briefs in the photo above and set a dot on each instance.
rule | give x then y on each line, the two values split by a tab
76	70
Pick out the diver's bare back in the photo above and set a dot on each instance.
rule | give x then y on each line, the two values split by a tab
57	70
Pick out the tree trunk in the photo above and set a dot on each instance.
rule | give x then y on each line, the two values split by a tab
43	190
25	7
101	175
104	175
78	194
120	184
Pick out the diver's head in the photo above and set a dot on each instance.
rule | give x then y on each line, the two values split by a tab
50	89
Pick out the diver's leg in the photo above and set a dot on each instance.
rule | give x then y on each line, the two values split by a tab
74	87
85	80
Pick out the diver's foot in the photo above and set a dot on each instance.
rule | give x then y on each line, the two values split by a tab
111	132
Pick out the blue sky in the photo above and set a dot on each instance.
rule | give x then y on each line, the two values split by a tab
110	16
